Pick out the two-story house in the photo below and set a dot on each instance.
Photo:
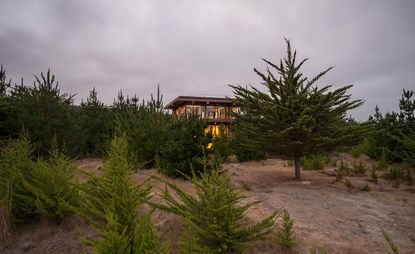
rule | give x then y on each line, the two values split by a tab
214	109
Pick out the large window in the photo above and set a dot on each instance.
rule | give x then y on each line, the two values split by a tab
217	112
195	109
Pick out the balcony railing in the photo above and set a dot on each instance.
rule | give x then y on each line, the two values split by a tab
211	113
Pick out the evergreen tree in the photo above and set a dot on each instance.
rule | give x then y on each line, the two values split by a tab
4	84
16	164
50	183
4	103
44	111
146	130
214	222
296	117
285	234
111	202
96	126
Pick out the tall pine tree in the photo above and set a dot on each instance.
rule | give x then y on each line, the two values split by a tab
294	117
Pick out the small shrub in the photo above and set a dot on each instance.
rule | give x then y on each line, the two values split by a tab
396	184
398	174
374	175
314	162
360	149
359	169
394	174
285	234
381	165
344	167
348	184
356	153
213	221
366	187
246	187
51	183
332	162
39	188
290	163
342	170
15	165
110	203
339	176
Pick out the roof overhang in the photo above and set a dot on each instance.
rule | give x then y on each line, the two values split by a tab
198	100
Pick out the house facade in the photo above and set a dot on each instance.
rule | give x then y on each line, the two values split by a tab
215	110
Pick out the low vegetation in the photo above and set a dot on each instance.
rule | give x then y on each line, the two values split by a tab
214	221
112	203
285	233
314	162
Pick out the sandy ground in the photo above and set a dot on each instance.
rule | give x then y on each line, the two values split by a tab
327	215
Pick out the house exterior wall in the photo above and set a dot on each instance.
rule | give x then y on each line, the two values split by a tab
217	111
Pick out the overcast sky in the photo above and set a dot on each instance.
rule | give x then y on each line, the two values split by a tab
199	47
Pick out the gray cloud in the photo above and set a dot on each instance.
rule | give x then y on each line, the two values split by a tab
199	47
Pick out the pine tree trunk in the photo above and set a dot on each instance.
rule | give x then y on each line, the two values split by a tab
297	169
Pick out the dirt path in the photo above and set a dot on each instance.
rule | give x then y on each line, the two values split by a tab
326	213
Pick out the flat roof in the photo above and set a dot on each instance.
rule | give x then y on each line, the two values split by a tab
182	99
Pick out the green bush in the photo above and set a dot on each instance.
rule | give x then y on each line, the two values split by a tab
15	165
359	169
111	202
285	234
146	130
214	222
366	187
314	162
398	174
381	165
374	175
185	145
37	187
348	184
342	170
51	186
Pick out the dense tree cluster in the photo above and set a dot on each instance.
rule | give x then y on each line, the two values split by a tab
155	139
392	135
